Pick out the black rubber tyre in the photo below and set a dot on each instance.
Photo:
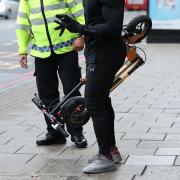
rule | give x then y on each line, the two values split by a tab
139	24
71	116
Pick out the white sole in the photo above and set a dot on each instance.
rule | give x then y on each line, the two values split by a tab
113	168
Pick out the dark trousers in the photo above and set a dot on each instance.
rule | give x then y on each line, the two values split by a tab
48	71
100	75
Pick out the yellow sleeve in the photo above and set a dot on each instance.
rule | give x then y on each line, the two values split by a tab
23	27
76	9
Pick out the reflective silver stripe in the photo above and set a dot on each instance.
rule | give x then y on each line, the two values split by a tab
22	15
79	13
35	10
55	47
74	3
50	7
36	22
23	27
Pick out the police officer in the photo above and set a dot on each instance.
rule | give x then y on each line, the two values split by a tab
54	56
105	53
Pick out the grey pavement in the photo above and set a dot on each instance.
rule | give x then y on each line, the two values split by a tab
147	126
147	107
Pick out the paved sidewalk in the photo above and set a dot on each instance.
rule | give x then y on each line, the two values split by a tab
147	107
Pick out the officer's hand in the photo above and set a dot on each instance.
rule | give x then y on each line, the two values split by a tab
23	61
69	23
78	44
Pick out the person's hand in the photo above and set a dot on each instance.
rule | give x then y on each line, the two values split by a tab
69	23
78	44
83	80
23	61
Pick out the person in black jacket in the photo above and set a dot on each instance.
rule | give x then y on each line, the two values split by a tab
105	53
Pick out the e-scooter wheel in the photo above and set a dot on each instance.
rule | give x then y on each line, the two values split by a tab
74	112
139	26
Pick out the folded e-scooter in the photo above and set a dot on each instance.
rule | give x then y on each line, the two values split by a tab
71	110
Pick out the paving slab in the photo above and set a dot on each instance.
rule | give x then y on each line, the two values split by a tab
159	177
14	163
168	151
144	136
161	130
107	177
156	144
160	172
137	151
150	160
45	177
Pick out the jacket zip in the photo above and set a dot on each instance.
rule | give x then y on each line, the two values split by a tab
46	26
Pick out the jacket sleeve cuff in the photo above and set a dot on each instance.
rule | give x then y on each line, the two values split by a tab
23	51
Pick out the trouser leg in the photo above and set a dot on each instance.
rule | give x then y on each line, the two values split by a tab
99	81
47	83
111	116
70	74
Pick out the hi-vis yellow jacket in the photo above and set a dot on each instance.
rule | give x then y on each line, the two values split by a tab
35	24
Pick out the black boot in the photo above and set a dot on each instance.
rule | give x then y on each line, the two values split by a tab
52	137
79	140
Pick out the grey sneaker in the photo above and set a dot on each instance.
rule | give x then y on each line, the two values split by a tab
93	158
101	164
115	155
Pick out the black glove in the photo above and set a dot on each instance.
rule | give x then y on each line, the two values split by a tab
69	23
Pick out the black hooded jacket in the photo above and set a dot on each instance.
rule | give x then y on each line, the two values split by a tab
104	20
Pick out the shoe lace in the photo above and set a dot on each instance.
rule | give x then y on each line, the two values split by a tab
99	160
